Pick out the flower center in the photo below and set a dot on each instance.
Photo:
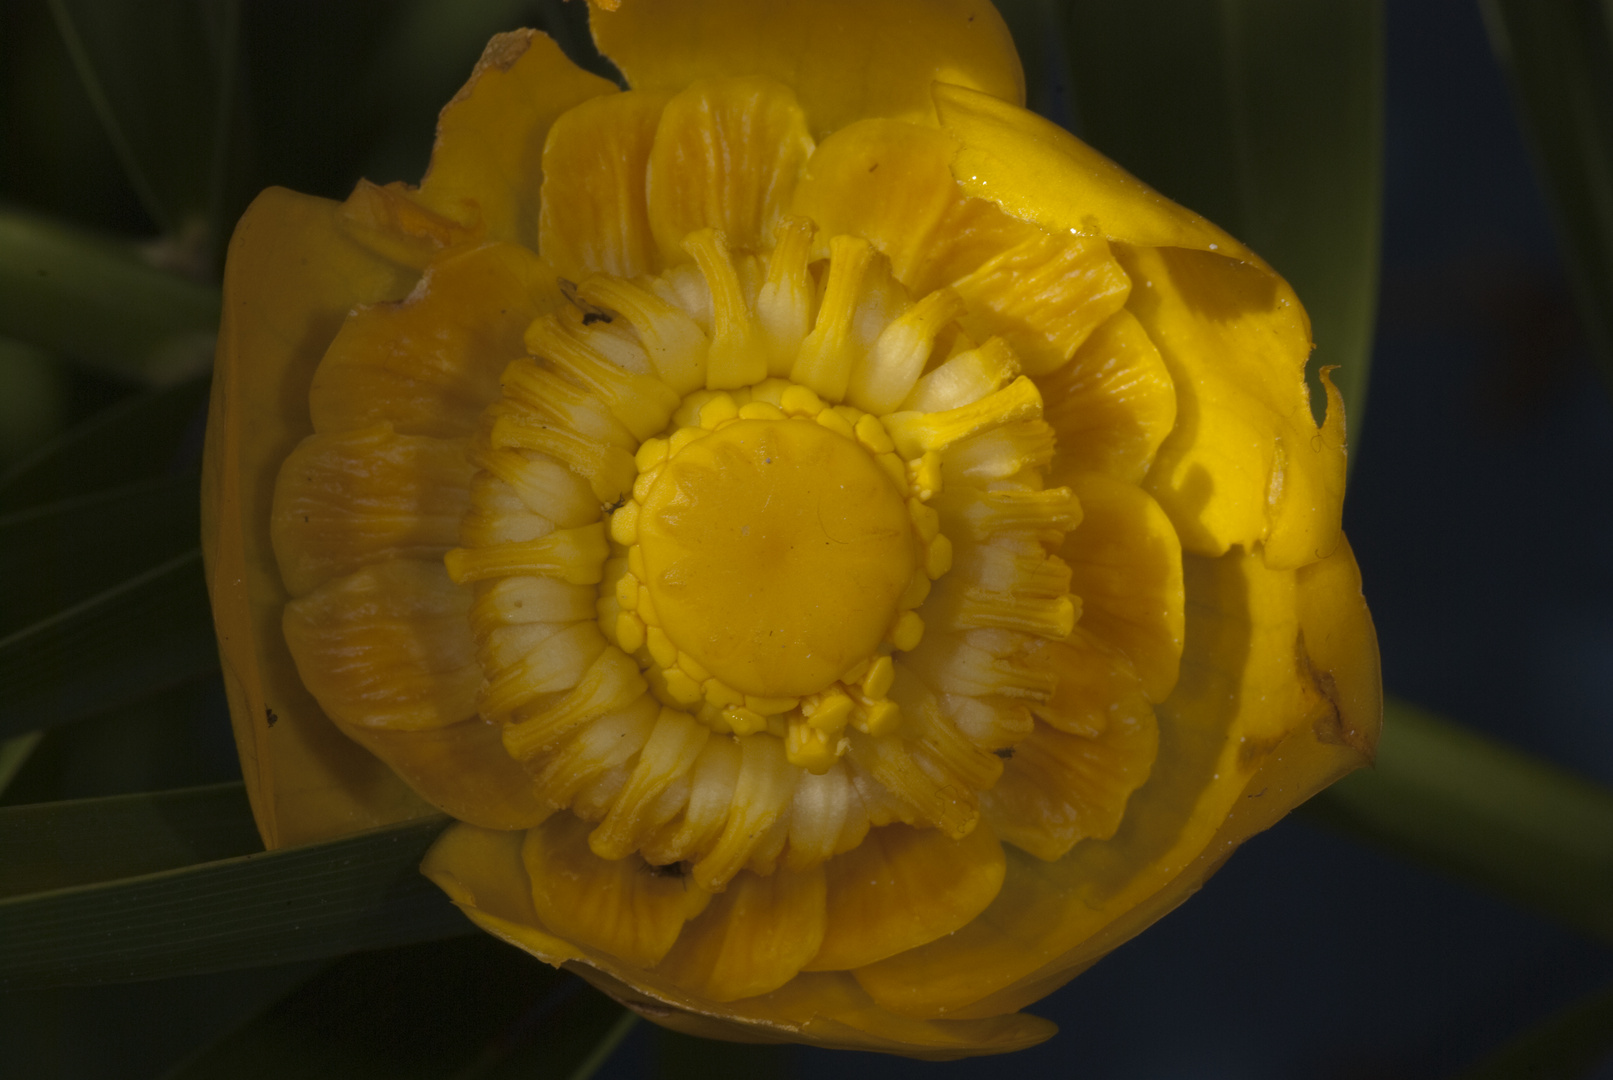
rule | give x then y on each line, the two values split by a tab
775	554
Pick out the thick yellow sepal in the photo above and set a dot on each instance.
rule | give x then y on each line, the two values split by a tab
846	59
293	273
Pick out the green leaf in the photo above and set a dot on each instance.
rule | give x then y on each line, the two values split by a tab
1571	1044
94	300
471	1008
150	631
1486	813
58	845
359	892
14	754
33	398
145	435
1559	57
1265	116
160	75
53	557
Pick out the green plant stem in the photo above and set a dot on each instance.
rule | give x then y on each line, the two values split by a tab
94	300
1510	823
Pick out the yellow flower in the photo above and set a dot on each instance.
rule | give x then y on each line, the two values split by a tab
847	554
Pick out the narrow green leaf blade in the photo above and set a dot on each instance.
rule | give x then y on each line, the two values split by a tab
323	900
1484	812
151	631
53	557
1265	116
1559	57
90	298
148	434
59	845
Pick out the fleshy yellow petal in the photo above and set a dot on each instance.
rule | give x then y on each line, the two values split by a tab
428	365
1039	172
902	887
1112	405
1126	566
461	769
388	646
487	165
846	59
726	156
753	938
595	162
624	907
294	272
359	497
1239	746
481	871
1245	464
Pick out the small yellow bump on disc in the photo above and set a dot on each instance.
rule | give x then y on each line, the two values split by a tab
925	519
895	468
801	401
761	410
880	718
624	524
635	562
651	452
908	632
830	711
683	689
850	414
877	683
770	706
742	721
917	590
926	474
938	557
837	423
719	409
855	673
646	607
661	647
629	632
810	748
627	588
770	391
871	433
684	436
721	694
692	666
645	481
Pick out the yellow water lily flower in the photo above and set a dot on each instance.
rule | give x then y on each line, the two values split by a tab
847	554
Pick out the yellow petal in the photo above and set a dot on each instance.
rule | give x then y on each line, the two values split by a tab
1126	566
1112	404
902	887
346	500
1245	463
753	938
482	872
1214	784
1060	788
624	907
593	217
461	769
293	273
726	156
391	222
1039	172
486	166
846	59
388	646
430	364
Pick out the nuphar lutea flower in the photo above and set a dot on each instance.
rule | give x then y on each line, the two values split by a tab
846	554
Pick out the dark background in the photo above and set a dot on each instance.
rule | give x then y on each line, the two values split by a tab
1480	508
